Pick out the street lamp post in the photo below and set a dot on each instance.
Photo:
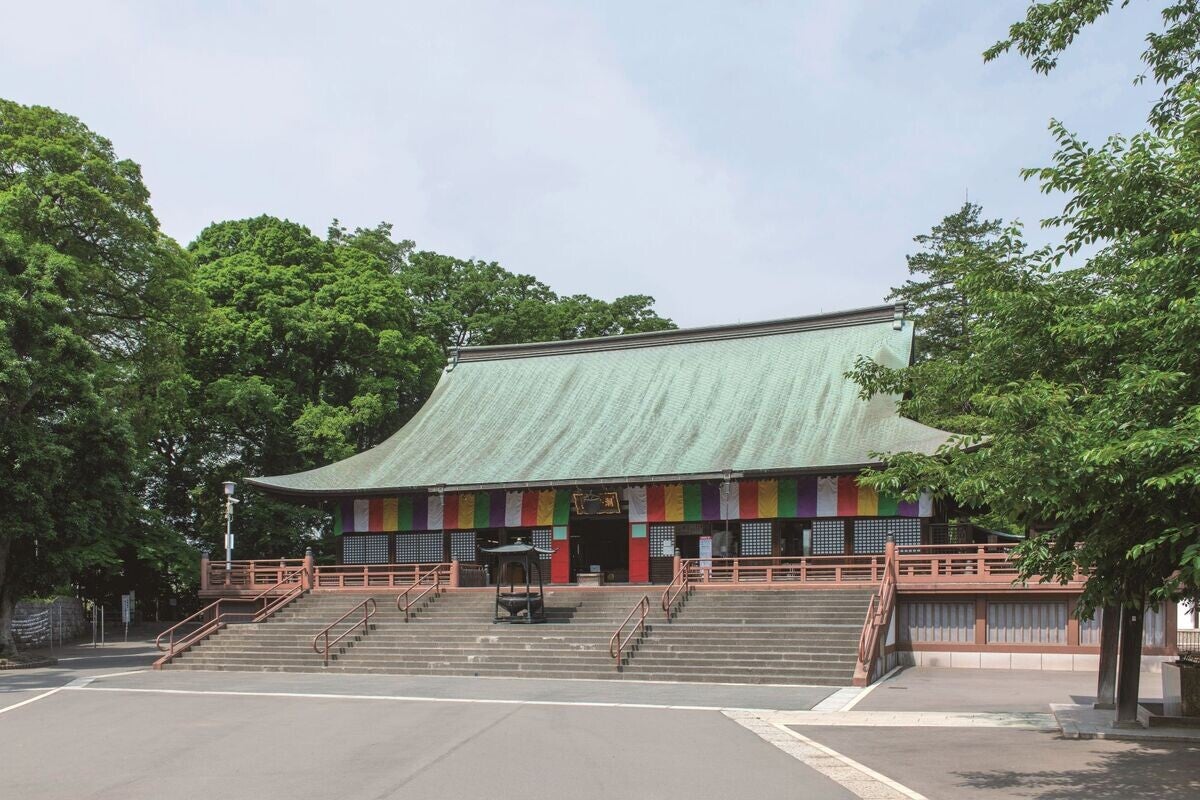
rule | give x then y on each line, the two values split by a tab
229	501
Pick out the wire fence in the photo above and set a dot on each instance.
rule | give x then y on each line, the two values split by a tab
45	628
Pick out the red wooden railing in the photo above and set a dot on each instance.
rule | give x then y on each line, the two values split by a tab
877	622
368	607
831	570
373	576
616	644
432	580
248	575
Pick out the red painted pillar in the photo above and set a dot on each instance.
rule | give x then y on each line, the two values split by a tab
639	553
560	562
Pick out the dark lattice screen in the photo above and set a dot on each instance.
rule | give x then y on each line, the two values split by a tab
660	536
543	538
828	537
365	549
462	545
756	539
870	535
418	548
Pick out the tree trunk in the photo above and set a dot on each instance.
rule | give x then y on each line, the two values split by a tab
1110	637
1132	620
8	601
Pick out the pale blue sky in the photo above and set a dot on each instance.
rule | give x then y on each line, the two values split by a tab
738	161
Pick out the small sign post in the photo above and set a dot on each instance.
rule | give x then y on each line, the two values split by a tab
126	611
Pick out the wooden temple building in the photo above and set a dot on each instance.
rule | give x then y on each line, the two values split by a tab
619	452
709	459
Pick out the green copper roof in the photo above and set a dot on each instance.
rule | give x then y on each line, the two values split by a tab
761	397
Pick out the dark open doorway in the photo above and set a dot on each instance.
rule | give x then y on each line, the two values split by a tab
602	544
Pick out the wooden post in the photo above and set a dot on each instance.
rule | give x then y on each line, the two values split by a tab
203	570
1129	666
454	574
306	577
676	564
1110	638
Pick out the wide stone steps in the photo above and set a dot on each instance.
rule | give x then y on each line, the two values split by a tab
715	636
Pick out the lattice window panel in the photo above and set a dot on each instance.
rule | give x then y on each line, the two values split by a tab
756	539
543	538
462	545
828	537
660	536
365	549
419	548
870	535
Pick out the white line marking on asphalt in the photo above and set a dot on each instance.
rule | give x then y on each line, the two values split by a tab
840	700
410	699
114	655
857	778
863	694
55	690
850	762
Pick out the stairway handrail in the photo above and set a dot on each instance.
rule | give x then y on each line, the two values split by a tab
409	602
368	606
878	618
683	578
615	649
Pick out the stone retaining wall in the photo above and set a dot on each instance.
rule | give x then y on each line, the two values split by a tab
33	626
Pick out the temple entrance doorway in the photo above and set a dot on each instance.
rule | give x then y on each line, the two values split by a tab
600	546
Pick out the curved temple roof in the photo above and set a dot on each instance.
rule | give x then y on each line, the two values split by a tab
753	398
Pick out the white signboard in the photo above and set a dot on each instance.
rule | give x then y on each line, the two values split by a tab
126	608
705	552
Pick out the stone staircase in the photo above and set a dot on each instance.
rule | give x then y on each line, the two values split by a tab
719	636
788	637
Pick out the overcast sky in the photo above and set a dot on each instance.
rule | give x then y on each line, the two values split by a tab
737	161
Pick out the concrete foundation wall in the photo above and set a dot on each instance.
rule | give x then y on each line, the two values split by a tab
1069	662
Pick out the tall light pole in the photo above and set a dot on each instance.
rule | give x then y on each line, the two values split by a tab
229	501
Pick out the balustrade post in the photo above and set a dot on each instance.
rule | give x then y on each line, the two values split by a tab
306	577
736	562
676	564
203	570
454	574
889	554
979	561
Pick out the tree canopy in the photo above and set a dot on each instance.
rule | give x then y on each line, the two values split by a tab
1085	380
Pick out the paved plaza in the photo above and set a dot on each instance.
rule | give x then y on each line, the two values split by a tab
101	725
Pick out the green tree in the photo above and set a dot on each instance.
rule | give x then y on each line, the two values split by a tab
1172	55
460	303
937	305
88	290
307	353
1086	380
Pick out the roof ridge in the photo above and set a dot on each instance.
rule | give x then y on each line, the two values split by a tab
839	319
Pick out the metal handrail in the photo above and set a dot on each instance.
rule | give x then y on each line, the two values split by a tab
669	596
170	632
615	648
368	606
409	602
271	607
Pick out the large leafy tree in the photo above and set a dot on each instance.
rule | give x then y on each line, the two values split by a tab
88	292
467	302
1085	380
307	353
